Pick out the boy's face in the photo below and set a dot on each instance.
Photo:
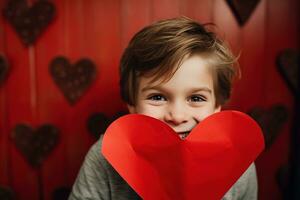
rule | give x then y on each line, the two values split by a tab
183	101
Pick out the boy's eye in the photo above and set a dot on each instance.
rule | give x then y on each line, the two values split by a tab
157	97
197	98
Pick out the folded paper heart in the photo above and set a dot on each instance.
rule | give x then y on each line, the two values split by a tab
157	164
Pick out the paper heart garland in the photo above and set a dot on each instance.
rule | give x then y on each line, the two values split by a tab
157	164
3	69
270	120
97	123
72	80
288	65
242	9
29	23
37	144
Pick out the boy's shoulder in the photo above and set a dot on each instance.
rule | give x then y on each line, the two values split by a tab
245	187
100	162
96	154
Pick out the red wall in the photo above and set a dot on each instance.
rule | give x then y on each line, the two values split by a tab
100	30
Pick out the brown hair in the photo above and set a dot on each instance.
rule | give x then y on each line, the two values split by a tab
159	49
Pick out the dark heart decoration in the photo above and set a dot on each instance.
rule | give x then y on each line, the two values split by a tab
73	80
61	193
288	66
271	121
242	9
29	23
3	69
282	178
97	123
6	193
35	145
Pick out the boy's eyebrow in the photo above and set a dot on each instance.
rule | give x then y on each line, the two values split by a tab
200	89
155	87
193	90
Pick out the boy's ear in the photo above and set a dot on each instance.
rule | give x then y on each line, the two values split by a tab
218	108
131	109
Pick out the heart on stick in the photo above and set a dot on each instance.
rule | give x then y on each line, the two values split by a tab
6	193
271	121
29	22
35	144
157	164
4	68
288	65
242	9
97	123
72	79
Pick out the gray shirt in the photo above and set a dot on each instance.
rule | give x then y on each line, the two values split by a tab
97	179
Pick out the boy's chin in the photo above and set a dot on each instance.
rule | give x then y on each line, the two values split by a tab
183	135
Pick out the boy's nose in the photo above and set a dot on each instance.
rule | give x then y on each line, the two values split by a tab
175	115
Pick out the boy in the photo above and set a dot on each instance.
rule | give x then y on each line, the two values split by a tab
178	72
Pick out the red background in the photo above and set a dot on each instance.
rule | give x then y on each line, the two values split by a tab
100	30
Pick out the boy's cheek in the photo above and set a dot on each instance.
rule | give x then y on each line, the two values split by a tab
201	114
152	111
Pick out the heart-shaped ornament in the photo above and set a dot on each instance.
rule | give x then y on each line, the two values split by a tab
157	164
61	193
3	69
72	80
97	123
288	62
271	121
242	9
6	193
37	144
29	23
282	177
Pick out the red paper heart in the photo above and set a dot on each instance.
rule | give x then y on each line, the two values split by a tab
157	164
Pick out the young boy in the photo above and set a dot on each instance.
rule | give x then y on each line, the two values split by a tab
176	71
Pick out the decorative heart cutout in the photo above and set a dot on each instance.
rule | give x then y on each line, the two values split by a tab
6	193
61	193
72	80
157	164
288	66
271	121
29	23
37	144
282	178
97	123
3	69
242	9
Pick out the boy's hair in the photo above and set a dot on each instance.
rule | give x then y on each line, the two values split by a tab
158	50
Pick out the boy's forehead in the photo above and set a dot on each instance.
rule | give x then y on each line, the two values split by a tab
189	76
146	82
194	71
162	73
156	78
